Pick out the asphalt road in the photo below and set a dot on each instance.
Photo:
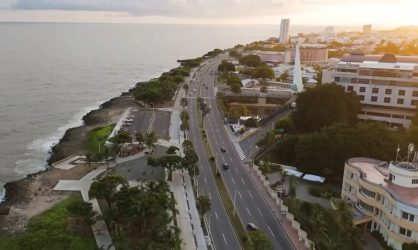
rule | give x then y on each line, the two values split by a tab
250	205
248	144
223	234
145	119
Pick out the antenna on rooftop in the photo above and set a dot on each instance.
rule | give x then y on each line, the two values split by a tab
397	153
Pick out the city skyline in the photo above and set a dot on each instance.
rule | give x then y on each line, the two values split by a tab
318	12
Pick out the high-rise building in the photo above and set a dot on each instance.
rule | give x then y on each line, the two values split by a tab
367	29
387	85
284	31
384	195
329	30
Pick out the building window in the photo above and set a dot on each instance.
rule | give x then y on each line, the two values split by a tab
361	97
374	99
400	101
408	233
362	89
387	100
375	90
337	79
401	92
414	102
402	230
349	88
411	217
414	181
388	91
405	215
415	93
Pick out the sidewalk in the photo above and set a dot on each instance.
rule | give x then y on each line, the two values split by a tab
286	224
187	218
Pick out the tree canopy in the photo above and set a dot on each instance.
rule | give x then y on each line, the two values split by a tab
324	105
250	60
259	241
226	66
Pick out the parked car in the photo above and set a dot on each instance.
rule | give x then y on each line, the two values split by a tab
223	149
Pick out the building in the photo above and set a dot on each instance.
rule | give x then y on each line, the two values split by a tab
329	30
284	31
367	29
271	56
311	53
385	198
249	83
387	85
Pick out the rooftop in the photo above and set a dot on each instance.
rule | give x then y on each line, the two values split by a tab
387	58
375	172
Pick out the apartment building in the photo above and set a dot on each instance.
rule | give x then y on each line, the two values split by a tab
387	85
386	196
284	31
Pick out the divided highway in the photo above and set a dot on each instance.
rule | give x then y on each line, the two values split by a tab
223	234
250	205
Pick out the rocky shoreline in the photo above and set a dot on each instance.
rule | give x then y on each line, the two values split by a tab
18	192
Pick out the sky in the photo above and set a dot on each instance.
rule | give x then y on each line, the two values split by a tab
380	13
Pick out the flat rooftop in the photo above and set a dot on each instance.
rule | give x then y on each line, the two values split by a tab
376	171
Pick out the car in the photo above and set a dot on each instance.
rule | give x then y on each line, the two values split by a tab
223	149
252	227
206	87
225	166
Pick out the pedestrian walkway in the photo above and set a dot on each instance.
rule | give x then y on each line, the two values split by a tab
100	231
188	219
239	151
286	224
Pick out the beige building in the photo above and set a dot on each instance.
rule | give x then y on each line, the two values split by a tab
385	197
387	85
311	53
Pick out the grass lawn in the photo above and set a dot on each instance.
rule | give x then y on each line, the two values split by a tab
96	137
50	231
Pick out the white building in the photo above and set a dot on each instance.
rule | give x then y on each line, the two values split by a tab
385	197
387	85
284	31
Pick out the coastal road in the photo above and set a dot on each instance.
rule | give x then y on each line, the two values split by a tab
250	205
220	227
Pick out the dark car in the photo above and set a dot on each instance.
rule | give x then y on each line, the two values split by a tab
223	149
225	166
251	227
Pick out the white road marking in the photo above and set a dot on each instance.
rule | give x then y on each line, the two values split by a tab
260	211
236	170
230	158
240	195
223	235
249	192
210	197
233	181
270	230
201	166
248	211
206	181
243	182
216	216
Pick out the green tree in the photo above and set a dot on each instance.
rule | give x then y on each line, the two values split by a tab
410	246
121	137
184	102
263	71
284	77
170	162
236	88
203	204
139	137
259	241
151	139
172	150
184	126
226	66
268	140
324	105
186	87
105	187
250	60
80	208
235	54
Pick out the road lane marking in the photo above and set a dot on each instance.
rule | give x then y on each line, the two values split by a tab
230	158
206	181
249	192
223	235
260	211
243	182
270	230
210	197
216	216
201	166
240	195
233	181
236	170
248	211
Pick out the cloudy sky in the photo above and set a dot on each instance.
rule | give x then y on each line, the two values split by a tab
383	13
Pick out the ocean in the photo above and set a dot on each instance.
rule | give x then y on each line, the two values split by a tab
51	74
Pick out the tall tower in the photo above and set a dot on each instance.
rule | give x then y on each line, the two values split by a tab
284	31
297	73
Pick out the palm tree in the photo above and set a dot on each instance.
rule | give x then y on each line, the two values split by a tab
184	102
105	187
343	217
203	204
139	138
184	126
151	139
